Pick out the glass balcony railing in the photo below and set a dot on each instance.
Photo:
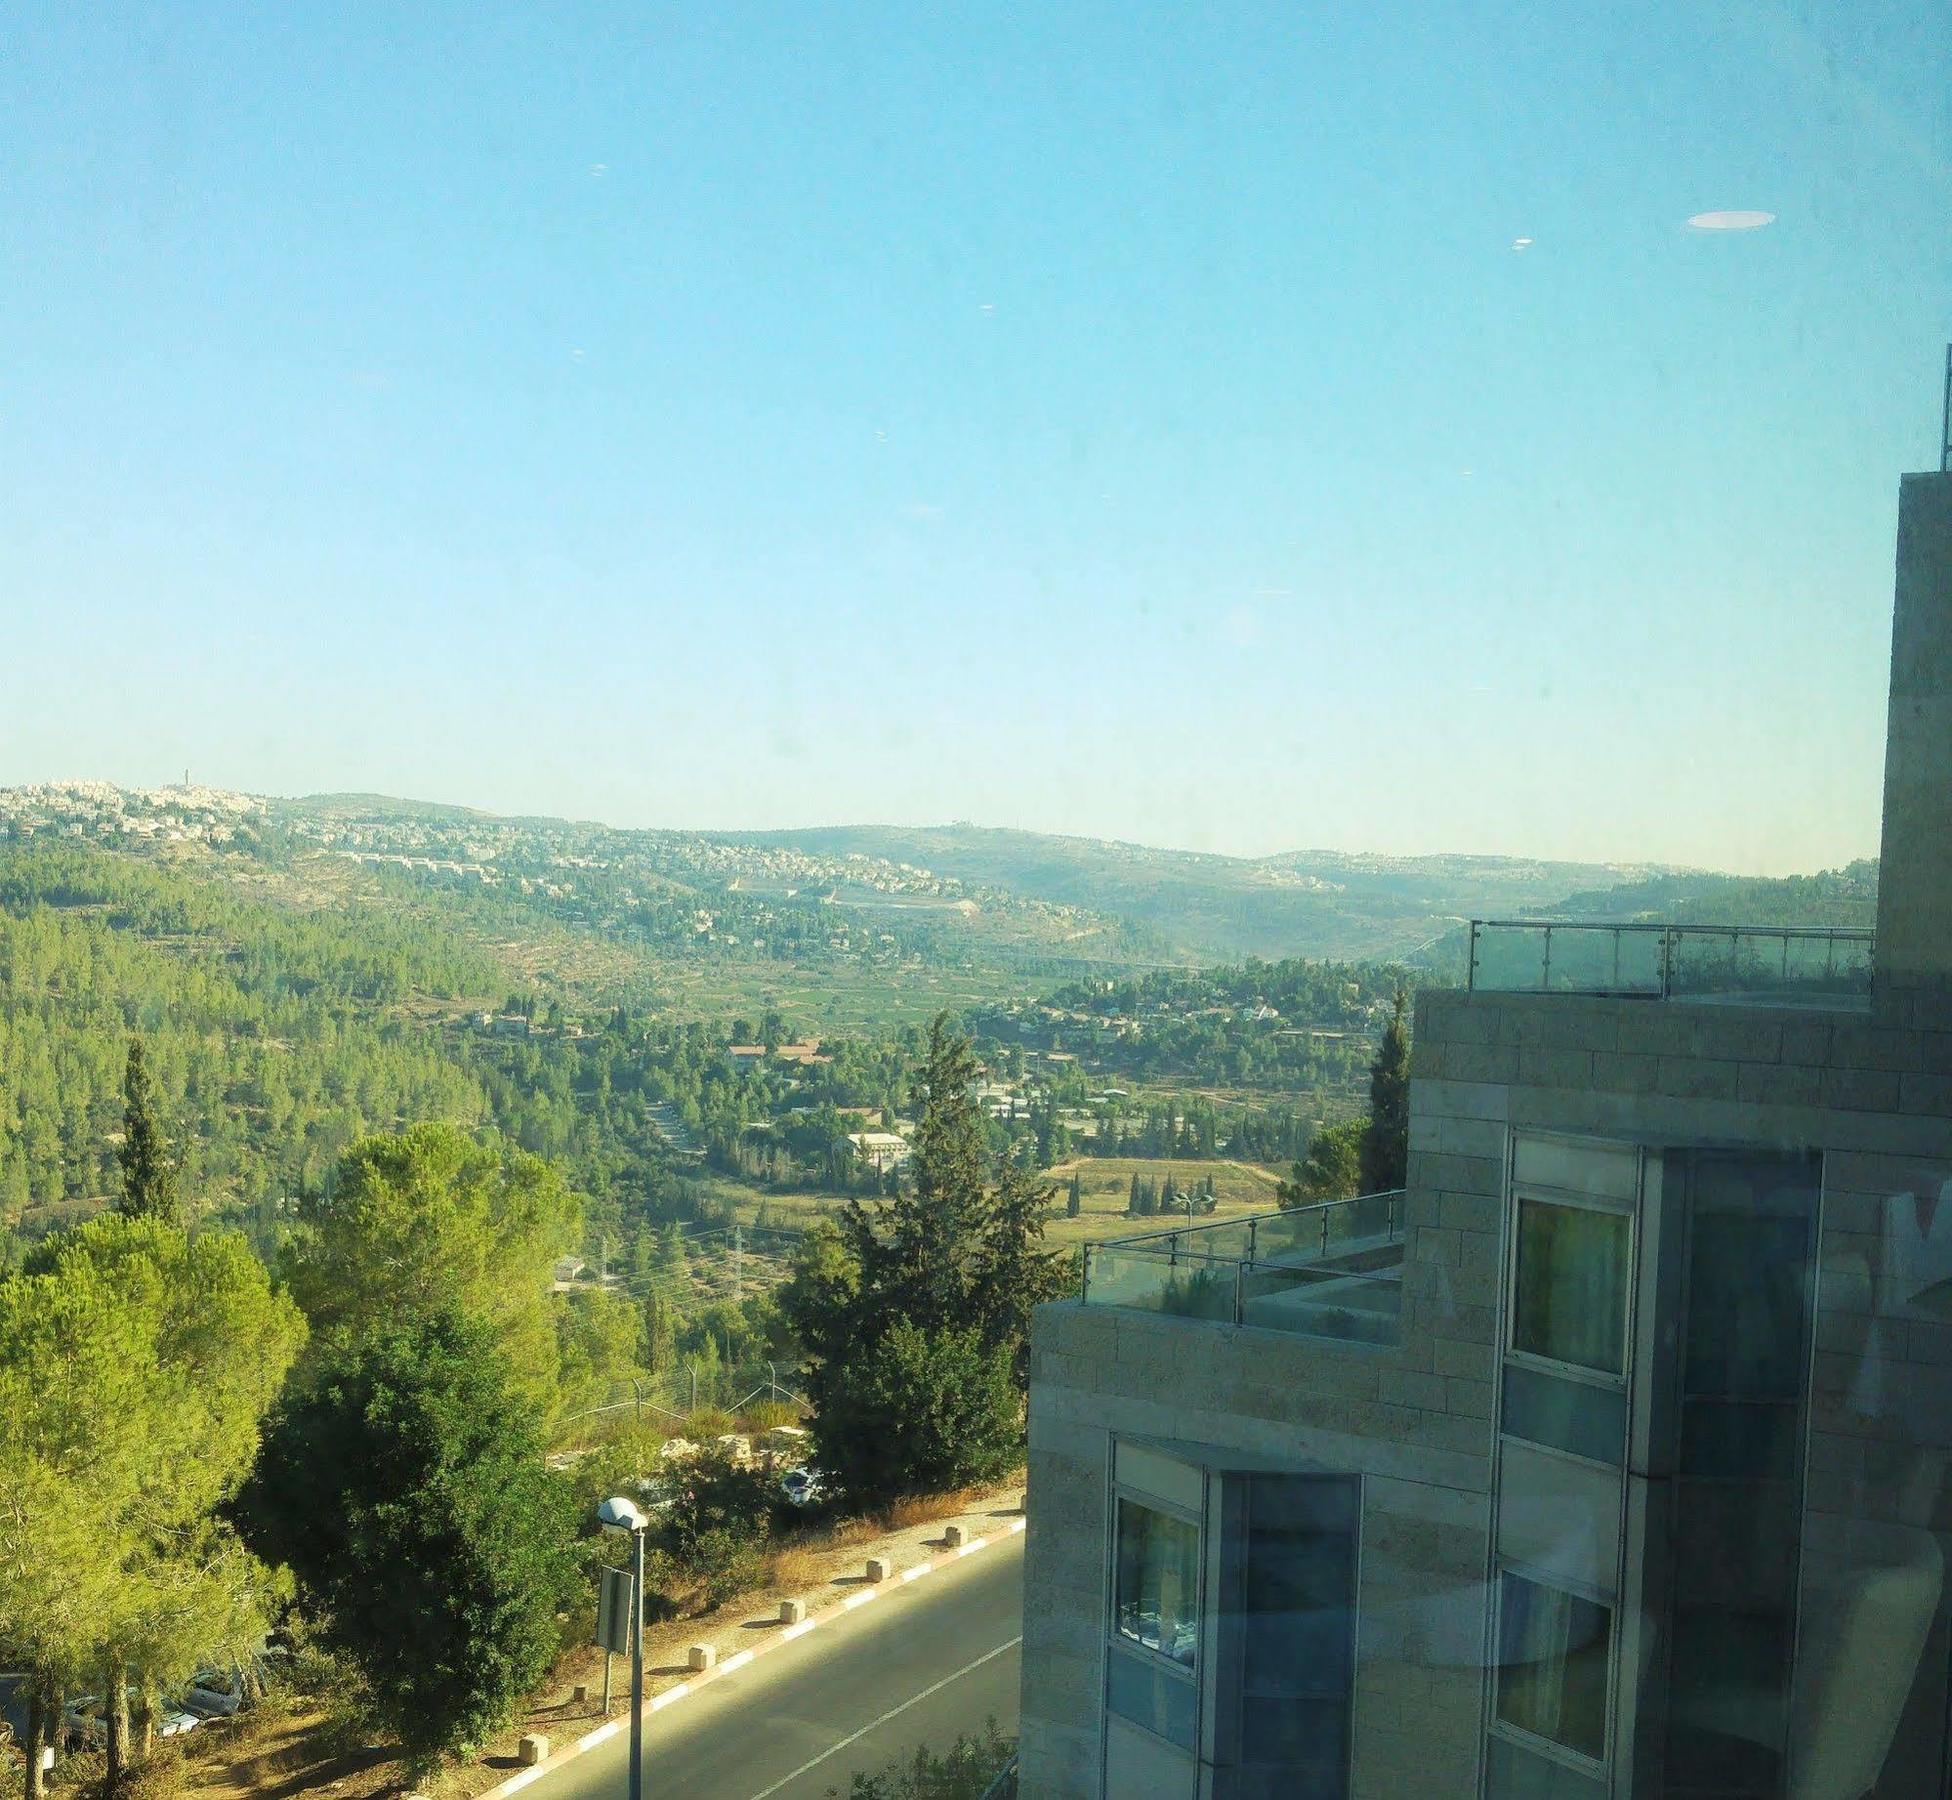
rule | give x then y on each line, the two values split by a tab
1332	1271
1760	964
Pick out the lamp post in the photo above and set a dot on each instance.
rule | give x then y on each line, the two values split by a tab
619	1514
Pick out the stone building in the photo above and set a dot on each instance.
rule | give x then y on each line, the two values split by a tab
1614	1457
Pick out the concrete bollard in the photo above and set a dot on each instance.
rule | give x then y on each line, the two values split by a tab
953	1536
533	1748
792	1612
701	1656
878	1569
579	1695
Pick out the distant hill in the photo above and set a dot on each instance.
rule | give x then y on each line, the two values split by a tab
1299	903
950	892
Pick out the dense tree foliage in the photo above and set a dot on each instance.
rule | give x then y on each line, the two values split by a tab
933	1286
405	1488
920	1411
268	1041
135	1366
430	1220
1386	1136
1332	1169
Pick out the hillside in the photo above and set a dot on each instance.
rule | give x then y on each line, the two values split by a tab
1316	903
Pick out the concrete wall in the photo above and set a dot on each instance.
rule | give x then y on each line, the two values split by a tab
1098	1373
1914	923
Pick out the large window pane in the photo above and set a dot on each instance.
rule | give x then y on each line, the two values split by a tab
1553	1662
1747	1302
1157	1597
1151	1694
1297	1602
1565	1414
1571	1303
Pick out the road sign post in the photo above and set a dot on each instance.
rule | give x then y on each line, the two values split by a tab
620	1514
613	1618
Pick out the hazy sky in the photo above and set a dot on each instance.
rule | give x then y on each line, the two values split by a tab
1133	420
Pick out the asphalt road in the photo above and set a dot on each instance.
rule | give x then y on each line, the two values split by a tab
924	1662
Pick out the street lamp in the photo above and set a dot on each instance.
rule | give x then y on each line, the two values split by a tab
619	1514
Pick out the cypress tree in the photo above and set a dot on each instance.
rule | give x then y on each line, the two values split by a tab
148	1176
1386	1138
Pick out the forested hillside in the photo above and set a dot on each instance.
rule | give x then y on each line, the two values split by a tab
276	1034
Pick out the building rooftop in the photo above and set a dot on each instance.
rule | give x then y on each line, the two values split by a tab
1757	965
1333	1270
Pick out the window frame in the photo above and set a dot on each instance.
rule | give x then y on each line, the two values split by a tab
1228	1686
1498	1564
1122	1496
1499	1726
1117	1644
1518	1193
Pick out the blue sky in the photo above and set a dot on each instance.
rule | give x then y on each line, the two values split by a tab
1116	419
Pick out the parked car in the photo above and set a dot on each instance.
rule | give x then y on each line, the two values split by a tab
84	1724
802	1486
173	1719
215	1693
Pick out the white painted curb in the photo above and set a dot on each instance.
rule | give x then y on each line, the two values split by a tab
670	1696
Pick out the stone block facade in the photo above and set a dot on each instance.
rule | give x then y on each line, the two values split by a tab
1415	1419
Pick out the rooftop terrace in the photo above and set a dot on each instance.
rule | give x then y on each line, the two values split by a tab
1331	1271
1756	965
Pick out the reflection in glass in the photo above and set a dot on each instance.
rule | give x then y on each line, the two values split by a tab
1158	1590
1297	1600
1571	1303
1553	1656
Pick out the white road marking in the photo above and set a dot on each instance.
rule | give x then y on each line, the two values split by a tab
894	1712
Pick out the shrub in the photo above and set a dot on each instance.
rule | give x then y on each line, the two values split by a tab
920	1412
767	1415
712	1492
963	1772
718	1528
407	1493
724	1564
616	1467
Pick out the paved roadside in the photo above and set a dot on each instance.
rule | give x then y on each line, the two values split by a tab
926	1660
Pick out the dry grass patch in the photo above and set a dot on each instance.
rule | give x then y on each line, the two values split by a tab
925	1509
798	1566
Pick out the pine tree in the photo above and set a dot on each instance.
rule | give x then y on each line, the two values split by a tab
148	1175
916	1255
1132	1205
1386	1138
1074	1201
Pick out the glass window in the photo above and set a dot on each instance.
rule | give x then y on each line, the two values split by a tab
1564	1414
1571	1300
1157	1594
1553	1660
1297	1602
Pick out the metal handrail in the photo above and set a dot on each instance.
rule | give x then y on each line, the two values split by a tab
1671	936
1004	1787
1169	1255
1253	1220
